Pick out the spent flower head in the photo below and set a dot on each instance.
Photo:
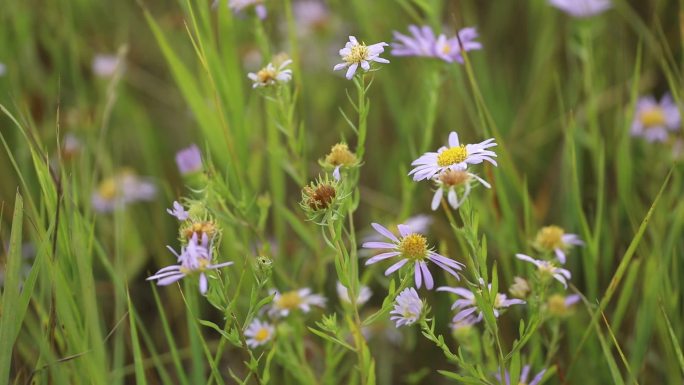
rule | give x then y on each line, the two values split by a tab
357	54
302	299
272	74
410	247
547	269
654	120
408	308
340	156
582	8
259	333
554	239
520	288
321	198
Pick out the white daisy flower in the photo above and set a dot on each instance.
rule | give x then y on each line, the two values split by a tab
450	182
356	54
270	75
407	308
455	157
547	268
364	294
259	333
302	299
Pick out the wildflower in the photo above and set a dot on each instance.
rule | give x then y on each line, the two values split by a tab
191	228
422	42
106	65
462	326
455	157
581	8
259	333
467	305
554	238
270	75
194	258
302	299
178	211
356	54
407	307
450	49
653	120
449	181
560	306
363	296
239	6
189	160
319	196
339	157
310	15
547	268
520	288
121	189
410	247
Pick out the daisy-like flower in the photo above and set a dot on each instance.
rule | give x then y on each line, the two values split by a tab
554	238
239	6
339	157
582	8
451	49
259	333
653	120
302	299
524	376
407	308
455	157
178	211
310	15
189	160
546	268
121	189
271	75
422	42
195	258
467	305
357	54
560	305
410	247
364	294
450	182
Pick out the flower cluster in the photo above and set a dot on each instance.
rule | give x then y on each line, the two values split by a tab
423	42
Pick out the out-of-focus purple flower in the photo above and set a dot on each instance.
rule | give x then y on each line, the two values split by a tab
310	15
524	375
106	65
548	268
121	189
356	54
653	120
582	8
259	333
408	308
467	305
554	239
195	258
423	43
178	211
410	247
561	306
302	299
189	160
3	69
238	6
364	294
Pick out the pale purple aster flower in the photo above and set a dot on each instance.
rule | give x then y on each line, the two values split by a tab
189	160
270	75
410	247
422	42
408	308
364	294
239	6
560	305
194	258
178	211
310	15
548	268
452	181
418	223
356	54
3	69
464	323
653	120
450	49
554	238
524	375
455	157
258	333
302	299
106	65
582	8
467	305
123	188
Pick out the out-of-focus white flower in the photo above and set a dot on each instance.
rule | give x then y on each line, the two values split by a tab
123	188
554	239
364	294
654	120
547	268
302	299
271	75
259	333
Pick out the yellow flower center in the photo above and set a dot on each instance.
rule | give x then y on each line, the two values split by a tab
550	237
200	228
454	177
653	117
108	189
452	155
358	53
262	335
556	305
290	300
265	75
340	156
414	246
547	268
446	48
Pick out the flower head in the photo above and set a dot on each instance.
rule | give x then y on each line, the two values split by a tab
239	6
195	258
340	156
310	15
189	160
467	304
123	188
451	182
554	238
302	299
561	306
321	198
455	157
357	54
524	375
653	120
106	65
178	211
364	294
423	43
546	268
408	308
410	247
582	8
271	75
259	333
520	288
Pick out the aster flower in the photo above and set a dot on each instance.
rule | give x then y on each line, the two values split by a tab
422	42
339	156
520	288
310	15
408	308
455	157
524	375
653	120
106	65
410	247
121	189
464	323
561	306
270	75
189	160
554	238
547	268
450	49
195	258
357	54
364	294
238	6
178	211
582	8
302	299
450	182
259	333
467	305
